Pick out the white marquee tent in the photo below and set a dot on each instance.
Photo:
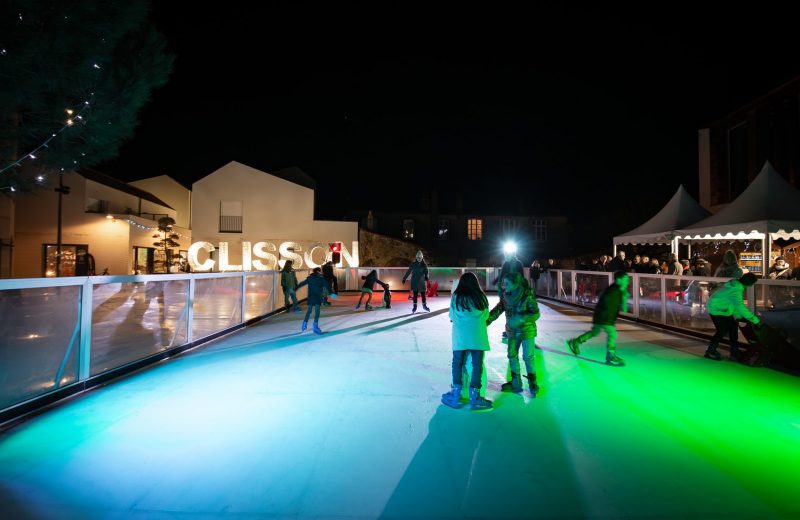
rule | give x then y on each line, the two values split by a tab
767	210
682	210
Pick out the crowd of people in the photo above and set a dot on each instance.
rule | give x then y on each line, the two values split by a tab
671	265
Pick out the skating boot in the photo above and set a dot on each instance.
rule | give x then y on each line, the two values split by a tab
414	309
534	388
711	353
515	385
316	328
574	346
424	306
453	397
614	360
368	307
304	326
476	402
297	308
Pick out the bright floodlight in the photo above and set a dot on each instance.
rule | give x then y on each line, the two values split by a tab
509	247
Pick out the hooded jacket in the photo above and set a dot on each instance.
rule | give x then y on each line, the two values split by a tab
728	300
521	309
730	266
419	275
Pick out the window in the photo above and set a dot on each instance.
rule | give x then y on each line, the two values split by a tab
475	229
408	228
444	229
539	230
230	216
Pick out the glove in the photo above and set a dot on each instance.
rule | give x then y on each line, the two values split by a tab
404	280
333	296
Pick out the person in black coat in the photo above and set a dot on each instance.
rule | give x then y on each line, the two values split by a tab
317	285
418	271
613	300
330	277
369	285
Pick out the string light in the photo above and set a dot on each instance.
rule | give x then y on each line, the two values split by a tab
70	122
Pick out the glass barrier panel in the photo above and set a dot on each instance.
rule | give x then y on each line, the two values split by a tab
40	346
134	320
589	287
683	304
258	297
445	276
394	277
779	307
649	298
217	305
566	286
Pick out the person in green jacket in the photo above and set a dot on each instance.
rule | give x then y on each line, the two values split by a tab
519	304
289	286
725	306
613	300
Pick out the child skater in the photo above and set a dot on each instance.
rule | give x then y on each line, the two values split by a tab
521	309
613	300
369	284
317	284
469	310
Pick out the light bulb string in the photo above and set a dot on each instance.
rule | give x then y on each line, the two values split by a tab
32	154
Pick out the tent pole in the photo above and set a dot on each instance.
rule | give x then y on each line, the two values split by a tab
766	252
689	247
614	249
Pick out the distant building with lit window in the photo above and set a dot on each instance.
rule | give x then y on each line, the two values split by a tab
456	238
733	149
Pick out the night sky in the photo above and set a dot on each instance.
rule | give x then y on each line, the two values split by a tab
582	112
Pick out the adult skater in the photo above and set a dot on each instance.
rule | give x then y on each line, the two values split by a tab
418	271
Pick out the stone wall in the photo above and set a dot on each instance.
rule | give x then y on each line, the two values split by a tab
376	250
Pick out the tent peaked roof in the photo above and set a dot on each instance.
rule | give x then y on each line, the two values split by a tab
682	210
769	205
769	197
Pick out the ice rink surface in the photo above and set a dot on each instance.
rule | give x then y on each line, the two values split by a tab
270	423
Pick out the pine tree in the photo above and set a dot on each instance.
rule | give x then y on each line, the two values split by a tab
81	70
168	238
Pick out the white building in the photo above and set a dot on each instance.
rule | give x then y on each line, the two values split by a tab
109	219
235	208
243	207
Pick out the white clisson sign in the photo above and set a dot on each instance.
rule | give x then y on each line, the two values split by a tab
266	256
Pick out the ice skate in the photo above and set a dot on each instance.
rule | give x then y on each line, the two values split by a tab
453	397
614	360
476	402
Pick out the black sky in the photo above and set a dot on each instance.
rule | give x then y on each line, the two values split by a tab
578	111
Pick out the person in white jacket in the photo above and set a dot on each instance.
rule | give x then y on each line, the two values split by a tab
725	307
469	310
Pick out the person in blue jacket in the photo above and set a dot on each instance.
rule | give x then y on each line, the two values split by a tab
317	285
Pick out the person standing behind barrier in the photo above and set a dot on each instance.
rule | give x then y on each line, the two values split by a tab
536	273
613	300
725	306
289	286
522	310
730	267
418	271
618	263
330	277
469	311
317	285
